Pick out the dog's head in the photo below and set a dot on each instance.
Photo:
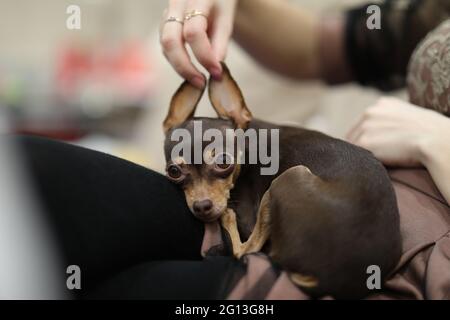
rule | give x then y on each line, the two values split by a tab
199	155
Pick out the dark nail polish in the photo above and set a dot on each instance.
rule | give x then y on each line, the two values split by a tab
216	73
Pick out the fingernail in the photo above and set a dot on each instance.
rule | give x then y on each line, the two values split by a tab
216	73
199	82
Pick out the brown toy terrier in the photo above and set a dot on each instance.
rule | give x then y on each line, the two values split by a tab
326	215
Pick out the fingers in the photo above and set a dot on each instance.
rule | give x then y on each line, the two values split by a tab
356	130
377	117
172	42
392	130
222	29
220	37
195	33
209	46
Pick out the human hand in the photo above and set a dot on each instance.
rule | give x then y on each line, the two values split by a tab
207	34
399	133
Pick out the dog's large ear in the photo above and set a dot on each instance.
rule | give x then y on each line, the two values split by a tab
182	106
227	99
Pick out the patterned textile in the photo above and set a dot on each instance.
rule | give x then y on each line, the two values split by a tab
429	71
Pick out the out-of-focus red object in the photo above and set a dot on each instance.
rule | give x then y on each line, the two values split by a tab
133	69
97	88
73	65
125	70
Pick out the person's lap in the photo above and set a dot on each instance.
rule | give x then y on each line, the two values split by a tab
116	219
212	278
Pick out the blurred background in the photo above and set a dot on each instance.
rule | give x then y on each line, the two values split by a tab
108	86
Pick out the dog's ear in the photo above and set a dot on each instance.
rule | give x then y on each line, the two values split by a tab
227	99
183	105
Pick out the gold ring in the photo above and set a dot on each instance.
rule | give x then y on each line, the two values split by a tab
174	19
194	13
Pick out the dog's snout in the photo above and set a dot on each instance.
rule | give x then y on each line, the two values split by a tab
203	206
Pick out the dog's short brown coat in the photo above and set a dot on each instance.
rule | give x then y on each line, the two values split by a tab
328	214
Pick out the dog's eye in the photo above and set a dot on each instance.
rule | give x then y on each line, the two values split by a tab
174	172
224	161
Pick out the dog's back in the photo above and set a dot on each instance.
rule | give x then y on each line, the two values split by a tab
332	221
333	211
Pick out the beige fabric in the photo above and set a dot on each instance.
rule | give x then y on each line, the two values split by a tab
424	269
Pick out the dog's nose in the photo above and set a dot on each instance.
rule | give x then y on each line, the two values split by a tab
203	206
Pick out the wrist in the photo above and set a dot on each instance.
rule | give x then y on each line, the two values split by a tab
424	150
435	146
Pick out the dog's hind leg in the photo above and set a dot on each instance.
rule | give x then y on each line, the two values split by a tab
261	231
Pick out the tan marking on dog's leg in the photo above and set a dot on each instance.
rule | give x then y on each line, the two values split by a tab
302	280
261	231
229	222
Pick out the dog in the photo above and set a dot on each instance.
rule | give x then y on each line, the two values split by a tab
328	214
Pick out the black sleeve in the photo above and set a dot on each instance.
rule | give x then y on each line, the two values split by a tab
379	57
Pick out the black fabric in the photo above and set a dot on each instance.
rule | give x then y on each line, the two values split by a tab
212	278
116	219
380	57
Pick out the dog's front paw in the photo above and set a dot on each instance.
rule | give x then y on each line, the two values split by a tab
229	222
239	252
228	218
